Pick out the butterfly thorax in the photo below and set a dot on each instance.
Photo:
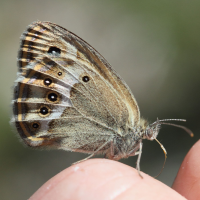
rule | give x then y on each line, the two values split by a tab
127	145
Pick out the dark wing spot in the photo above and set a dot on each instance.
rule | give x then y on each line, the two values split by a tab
52	97
85	78
54	50
47	81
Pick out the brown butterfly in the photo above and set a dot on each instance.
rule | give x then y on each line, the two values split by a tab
67	96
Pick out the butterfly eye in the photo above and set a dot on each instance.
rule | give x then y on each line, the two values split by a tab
47	81
85	78
54	50
44	111
35	126
59	73
52	97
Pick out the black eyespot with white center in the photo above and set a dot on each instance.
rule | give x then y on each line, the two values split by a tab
54	50
59	73
85	78
47	81
52	97
44	110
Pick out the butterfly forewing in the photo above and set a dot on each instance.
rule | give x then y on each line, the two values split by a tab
66	94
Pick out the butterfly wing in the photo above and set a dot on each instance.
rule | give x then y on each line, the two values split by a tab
66	93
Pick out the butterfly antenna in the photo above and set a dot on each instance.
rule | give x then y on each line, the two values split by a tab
164	120
179	126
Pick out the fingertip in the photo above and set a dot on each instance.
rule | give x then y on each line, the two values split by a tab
103	179
187	181
91	179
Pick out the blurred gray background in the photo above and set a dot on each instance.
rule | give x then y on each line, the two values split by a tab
153	45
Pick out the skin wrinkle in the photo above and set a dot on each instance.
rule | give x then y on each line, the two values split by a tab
108	181
126	188
121	196
121	192
131	188
191	187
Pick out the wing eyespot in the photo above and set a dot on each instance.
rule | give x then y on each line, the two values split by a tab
47	81
54	50
52	97
44	111
85	79
35	126
59	73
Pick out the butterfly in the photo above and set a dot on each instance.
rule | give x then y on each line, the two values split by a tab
67	96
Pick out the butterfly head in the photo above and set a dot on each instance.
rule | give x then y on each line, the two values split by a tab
152	130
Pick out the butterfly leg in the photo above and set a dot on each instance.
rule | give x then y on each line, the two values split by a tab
91	155
139	153
136	153
111	156
112	150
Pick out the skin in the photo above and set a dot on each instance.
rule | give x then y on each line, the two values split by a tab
101	179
